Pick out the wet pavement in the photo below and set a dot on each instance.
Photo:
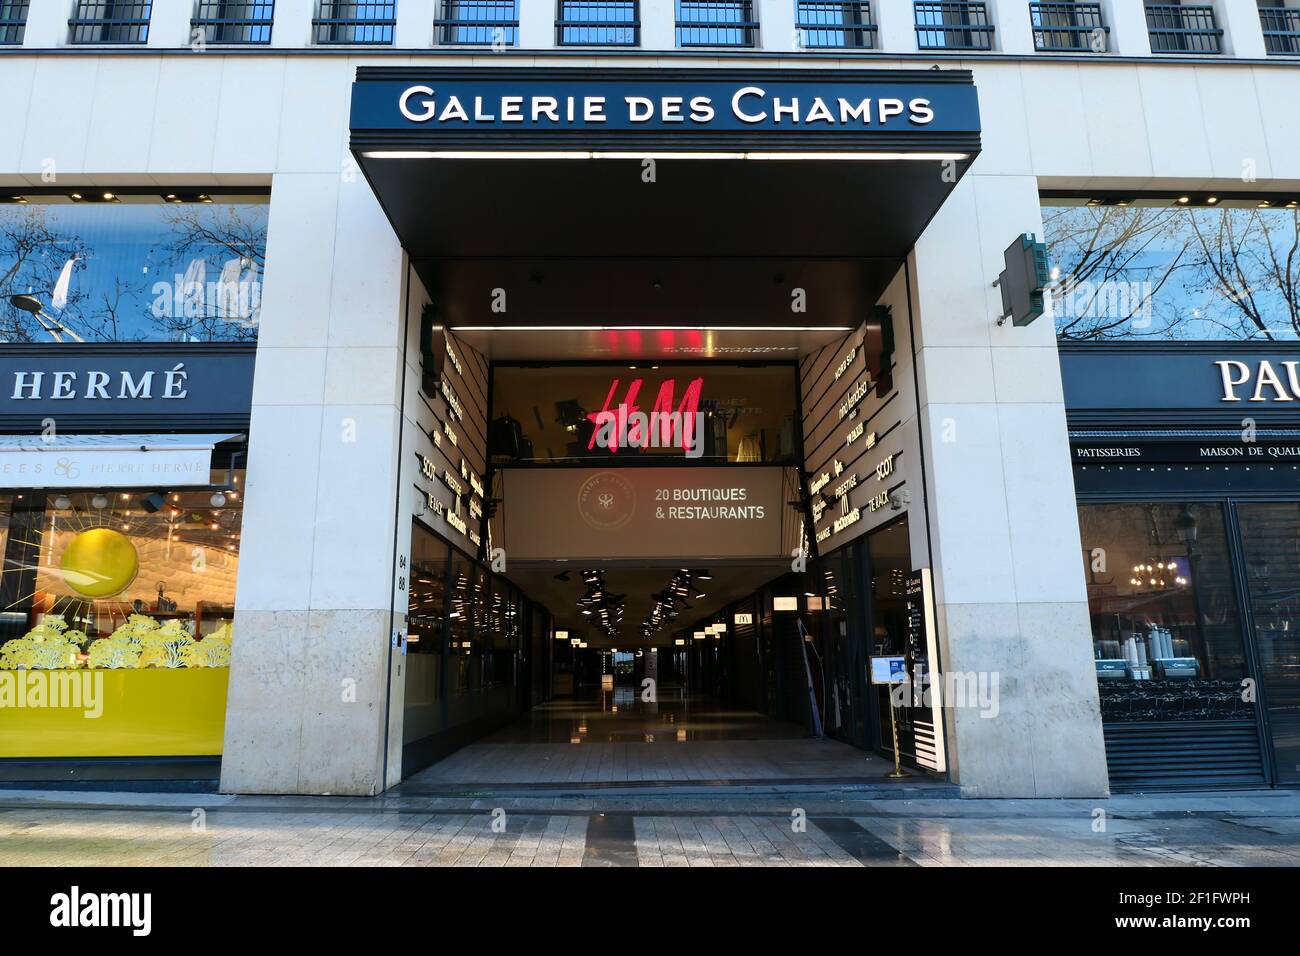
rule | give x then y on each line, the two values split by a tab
794	829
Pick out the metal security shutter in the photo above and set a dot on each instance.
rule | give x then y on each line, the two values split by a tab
1184	756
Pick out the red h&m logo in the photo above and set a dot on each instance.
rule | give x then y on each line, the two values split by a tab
626	426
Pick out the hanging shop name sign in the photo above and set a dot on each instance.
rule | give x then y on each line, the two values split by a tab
566	101
1261	381
109	380
748	104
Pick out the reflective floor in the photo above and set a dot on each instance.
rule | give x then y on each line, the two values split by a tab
614	737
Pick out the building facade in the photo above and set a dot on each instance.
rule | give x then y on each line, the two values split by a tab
332	308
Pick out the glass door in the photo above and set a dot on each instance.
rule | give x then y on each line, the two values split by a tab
1270	541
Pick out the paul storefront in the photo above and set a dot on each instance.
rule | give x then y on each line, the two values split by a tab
1186	451
122	473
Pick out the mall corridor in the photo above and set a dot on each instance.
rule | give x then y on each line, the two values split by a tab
612	737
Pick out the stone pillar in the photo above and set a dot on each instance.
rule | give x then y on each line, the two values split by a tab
897	26
658	24
292	27
311	665
169	25
414	29
1243	34
47	25
1128	28
537	24
775	24
1006	555
1013	32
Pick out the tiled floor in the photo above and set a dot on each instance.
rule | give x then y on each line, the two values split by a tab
684	782
202	830
617	738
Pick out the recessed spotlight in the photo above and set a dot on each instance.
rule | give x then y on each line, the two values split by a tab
1184	200
1211	200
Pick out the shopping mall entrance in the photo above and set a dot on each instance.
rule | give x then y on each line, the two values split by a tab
667	468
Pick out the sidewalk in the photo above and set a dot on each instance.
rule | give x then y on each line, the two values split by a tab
821	828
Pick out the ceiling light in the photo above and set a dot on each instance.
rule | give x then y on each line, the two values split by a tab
218	500
1211	200
1184	200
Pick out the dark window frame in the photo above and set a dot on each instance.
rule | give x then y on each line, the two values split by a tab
96	22
234	22
475	22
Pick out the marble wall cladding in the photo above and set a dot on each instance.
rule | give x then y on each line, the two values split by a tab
1002	508
308	703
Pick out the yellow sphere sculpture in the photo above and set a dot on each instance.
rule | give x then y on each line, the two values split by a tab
99	563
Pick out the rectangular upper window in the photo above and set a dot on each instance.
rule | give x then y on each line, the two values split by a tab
222	21
493	23
716	23
1281	26
13	21
105	21
1183	28
953	25
131	268
1065	25
840	24
1191	268
598	23
363	22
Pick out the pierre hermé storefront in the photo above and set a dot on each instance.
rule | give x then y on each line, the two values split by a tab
125	386
1181	392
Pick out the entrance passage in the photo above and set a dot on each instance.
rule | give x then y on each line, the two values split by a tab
612	737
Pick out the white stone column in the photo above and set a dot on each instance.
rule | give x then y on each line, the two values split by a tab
775	24
169	24
536	24
292	26
658	24
415	24
1012	33
1243	34
47	25
1006	555
1127	20
311	666
896	20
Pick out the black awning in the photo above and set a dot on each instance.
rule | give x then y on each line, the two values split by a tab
527	163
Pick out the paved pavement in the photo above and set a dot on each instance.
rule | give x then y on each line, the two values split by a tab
834	827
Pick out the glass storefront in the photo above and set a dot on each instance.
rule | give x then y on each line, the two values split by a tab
1165	269
1195	607
117	619
465	649
130	268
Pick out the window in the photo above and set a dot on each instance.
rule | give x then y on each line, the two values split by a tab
478	23
13	21
598	23
1068	26
1270	539
219	21
952	25
346	22
571	414
1148	270
1183	28
1281	25
835	23
716	23
1166	631
144	270
105	21
129	596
